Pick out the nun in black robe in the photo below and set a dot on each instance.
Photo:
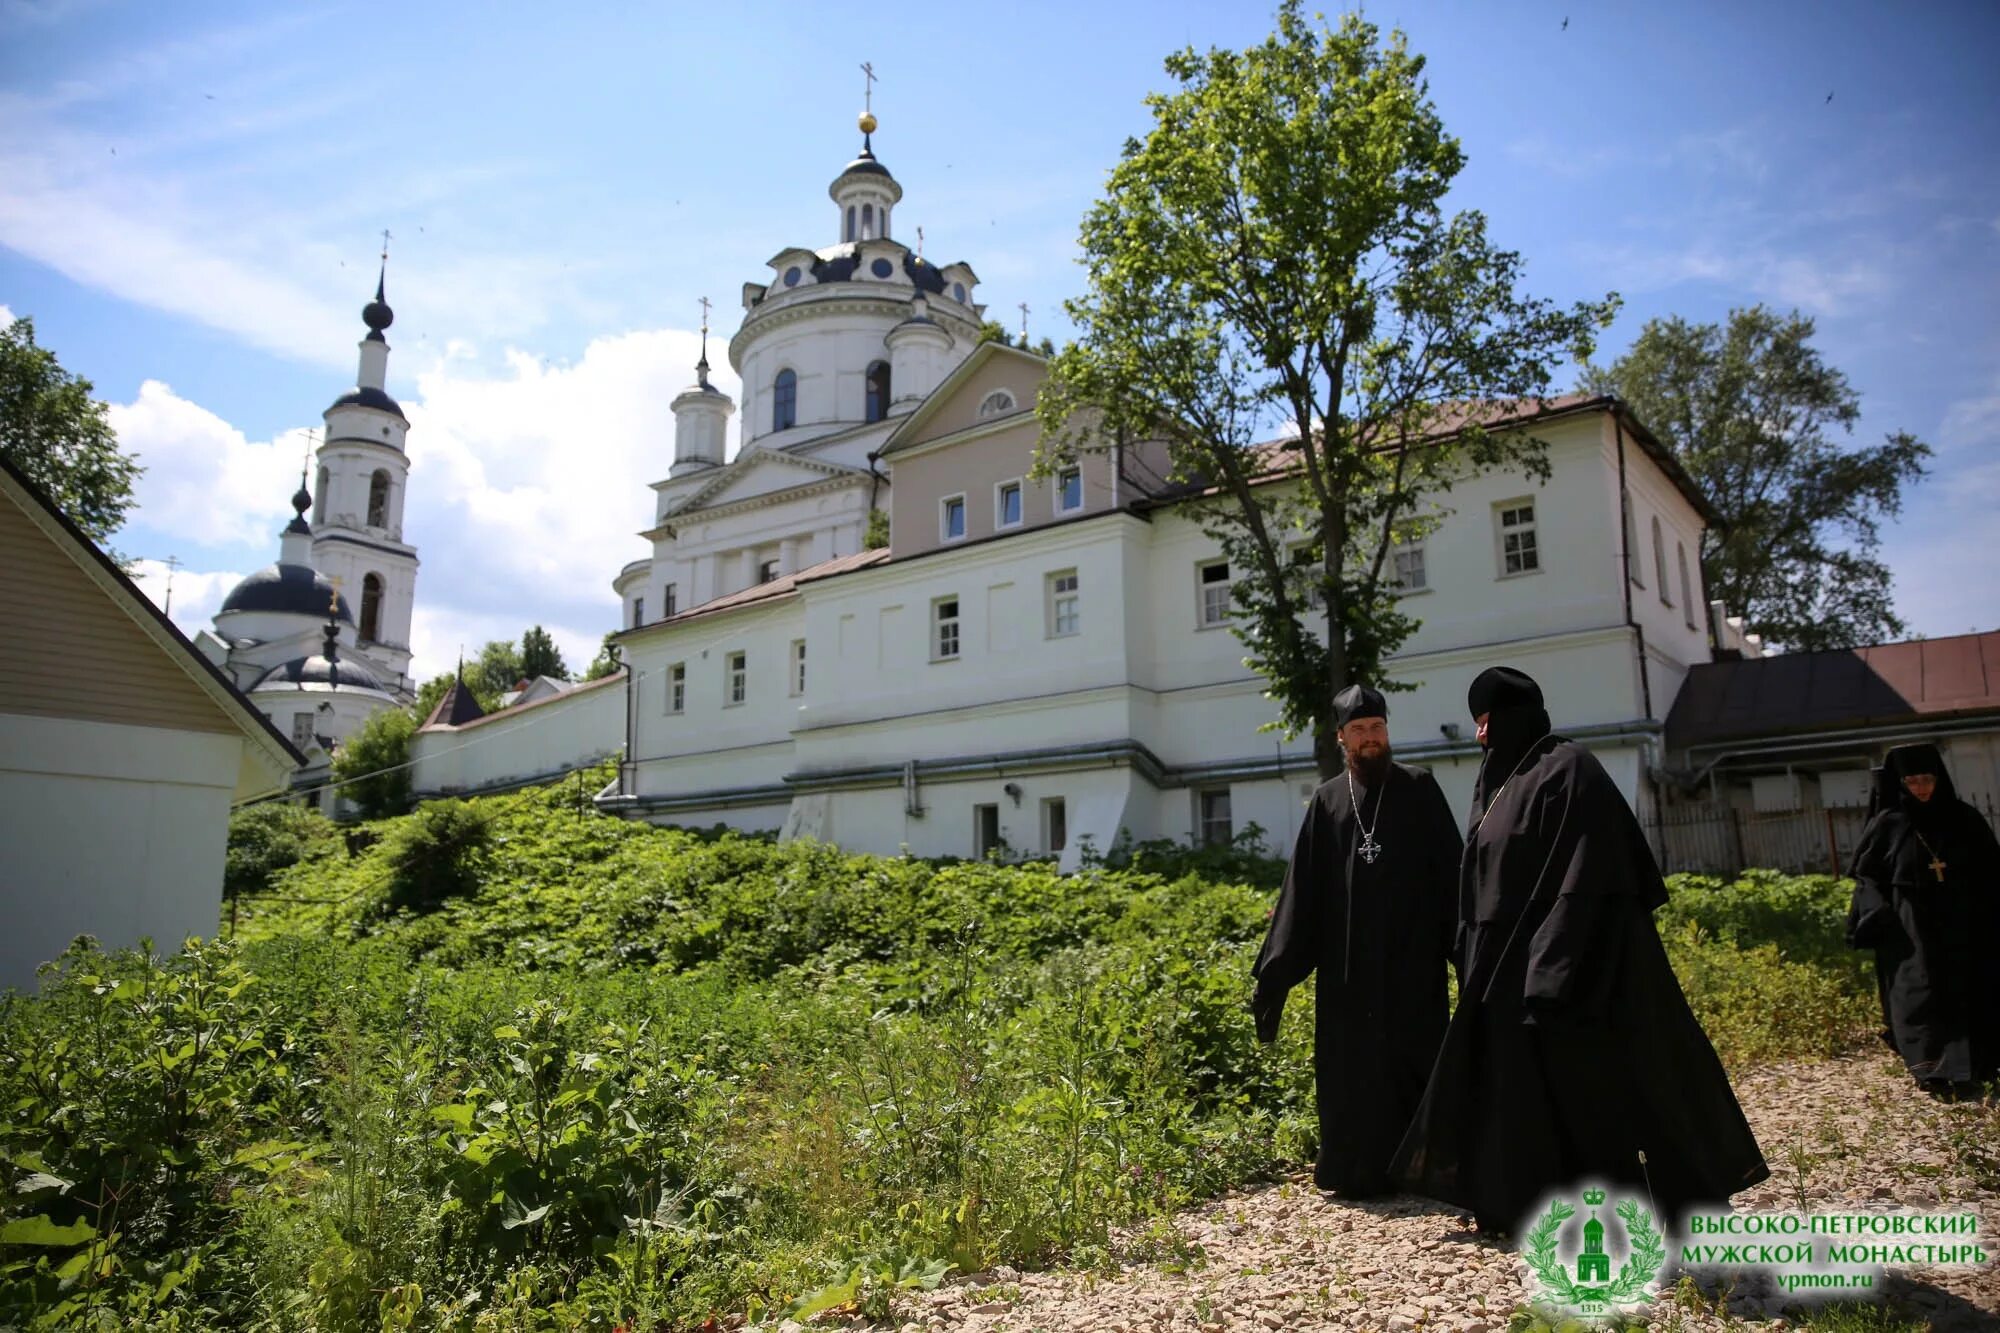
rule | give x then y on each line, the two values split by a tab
1927	901
1377	929
1572	1053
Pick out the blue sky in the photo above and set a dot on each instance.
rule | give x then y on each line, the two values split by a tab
190	199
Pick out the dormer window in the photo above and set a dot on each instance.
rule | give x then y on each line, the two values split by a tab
785	400
792	276
877	405
958	292
997	403
882	268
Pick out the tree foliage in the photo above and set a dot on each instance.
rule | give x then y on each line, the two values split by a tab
1751	411
372	764
606	660
60	437
540	656
1274	253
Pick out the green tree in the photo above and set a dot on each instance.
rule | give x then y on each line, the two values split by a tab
540	656
1751	410
1273	257
606	660
60	437
372	764
877	534
495	671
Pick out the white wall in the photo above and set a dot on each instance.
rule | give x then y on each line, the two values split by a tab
523	743
114	831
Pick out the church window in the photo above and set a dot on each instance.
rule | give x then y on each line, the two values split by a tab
785	400
885	224
638	612
1007	505
848	235
944	611
767	570
792	276
1410	575
1055	823
996	403
677	687
1306	558
882	268
302	729
669	600
1213	828
877	404
798	666
985	830
951	518
1069	490
371	607
1064	619
958	292
1660	562
1514	522
319	499
378	499
867	221
1213	581
737	678
1687	594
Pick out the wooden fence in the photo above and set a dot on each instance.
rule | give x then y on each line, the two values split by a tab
1713	838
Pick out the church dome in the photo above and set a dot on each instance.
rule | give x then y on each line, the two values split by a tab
296	589
369	397
347	673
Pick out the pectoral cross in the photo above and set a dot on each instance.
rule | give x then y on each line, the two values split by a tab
1370	849
1937	867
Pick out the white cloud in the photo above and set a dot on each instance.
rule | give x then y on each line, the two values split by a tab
205	483
196	594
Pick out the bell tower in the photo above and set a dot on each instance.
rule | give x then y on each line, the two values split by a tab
357	533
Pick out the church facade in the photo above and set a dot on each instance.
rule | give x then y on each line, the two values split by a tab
1033	666
320	640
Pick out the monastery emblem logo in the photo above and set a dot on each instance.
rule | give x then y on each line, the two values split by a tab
1585	1285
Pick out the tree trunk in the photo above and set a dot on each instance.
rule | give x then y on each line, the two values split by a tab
1326	750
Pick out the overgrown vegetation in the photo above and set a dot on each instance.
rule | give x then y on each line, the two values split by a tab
519	1066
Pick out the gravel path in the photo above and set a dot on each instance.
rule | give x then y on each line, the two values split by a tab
1853	1133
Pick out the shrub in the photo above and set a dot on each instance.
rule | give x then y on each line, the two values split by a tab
435	853
267	838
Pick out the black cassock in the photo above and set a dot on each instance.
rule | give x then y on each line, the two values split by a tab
1572	1049
1378	936
1934	939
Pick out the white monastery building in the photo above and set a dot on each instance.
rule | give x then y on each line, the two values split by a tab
287	635
1028	666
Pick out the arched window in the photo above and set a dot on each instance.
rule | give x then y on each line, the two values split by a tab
378	499
877	405
885	222
319	498
996	403
371	606
867	221
849	235
785	401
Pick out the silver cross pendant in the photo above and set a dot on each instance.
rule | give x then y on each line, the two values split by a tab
1370	849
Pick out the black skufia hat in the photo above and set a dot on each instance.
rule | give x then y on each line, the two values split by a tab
1358	701
1502	687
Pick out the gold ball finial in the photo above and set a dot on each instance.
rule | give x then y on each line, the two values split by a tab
867	122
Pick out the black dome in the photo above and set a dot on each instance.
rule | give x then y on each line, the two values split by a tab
374	398
350	672
864	166
297	589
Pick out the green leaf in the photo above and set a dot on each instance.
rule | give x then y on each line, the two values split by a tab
519	1219
39	1181
43	1230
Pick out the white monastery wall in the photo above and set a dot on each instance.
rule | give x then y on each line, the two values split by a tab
521	744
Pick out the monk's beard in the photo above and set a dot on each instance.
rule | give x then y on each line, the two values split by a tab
1370	768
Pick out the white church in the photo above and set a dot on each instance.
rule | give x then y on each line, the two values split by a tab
1029	667
288	635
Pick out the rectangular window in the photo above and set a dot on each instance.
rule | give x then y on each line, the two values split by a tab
1064	618
1304	558
1007	505
1212	812
798	666
1515	524
1409	573
302	729
1687	592
1632	566
737	677
670	600
677	687
1660	562
944	643
985	830
951	519
1069	490
766	571
638	612
1055	824
1212	578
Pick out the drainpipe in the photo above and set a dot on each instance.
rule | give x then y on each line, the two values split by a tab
874	485
1627	525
